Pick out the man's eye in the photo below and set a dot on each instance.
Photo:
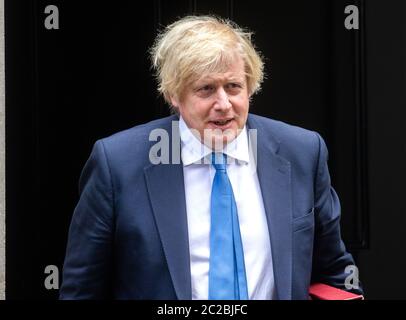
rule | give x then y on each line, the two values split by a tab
206	88
234	85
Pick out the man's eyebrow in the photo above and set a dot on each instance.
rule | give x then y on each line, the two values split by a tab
236	79
217	79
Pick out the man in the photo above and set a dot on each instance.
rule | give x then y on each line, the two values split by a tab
246	213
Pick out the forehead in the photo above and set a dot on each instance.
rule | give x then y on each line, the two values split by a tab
232	71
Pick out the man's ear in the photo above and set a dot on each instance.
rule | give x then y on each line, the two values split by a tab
174	102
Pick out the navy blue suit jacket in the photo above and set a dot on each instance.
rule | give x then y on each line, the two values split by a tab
128	237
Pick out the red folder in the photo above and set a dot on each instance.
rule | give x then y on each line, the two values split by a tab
321	291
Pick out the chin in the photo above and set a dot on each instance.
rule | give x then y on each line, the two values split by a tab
220	141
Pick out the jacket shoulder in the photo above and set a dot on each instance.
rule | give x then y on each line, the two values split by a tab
139	132
284	133
126	146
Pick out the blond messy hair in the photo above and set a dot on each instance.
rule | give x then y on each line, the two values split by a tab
195	46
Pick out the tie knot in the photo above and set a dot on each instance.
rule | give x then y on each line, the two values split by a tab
219	161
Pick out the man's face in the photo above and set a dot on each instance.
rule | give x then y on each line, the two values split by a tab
216	105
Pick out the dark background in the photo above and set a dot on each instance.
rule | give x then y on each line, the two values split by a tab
66	88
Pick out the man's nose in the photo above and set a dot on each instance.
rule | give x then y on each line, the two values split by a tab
222	100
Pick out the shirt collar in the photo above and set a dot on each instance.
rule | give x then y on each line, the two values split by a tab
193	151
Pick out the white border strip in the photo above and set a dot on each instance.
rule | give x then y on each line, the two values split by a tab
2	161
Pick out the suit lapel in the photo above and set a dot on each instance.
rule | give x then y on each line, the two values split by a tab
166	189
274	179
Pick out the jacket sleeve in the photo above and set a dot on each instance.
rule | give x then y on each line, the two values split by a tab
330	258
87	269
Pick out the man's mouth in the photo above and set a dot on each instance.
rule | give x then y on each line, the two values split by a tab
221	122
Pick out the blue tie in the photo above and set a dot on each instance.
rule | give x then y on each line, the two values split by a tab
227	280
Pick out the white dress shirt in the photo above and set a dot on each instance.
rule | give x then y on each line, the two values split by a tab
198	178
